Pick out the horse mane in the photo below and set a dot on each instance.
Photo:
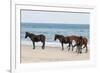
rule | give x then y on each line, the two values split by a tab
58	35
30	33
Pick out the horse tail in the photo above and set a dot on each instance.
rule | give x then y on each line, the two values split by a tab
85	41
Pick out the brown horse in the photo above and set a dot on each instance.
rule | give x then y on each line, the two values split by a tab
36	38
79	45
62	40
71	38
84	42
76	39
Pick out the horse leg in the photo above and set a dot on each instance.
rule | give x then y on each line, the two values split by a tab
62	46
78	49
72	47
33	45
69	47
43	46
86	49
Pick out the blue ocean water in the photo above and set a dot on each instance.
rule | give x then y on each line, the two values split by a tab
50	29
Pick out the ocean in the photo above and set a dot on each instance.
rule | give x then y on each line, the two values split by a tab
50	29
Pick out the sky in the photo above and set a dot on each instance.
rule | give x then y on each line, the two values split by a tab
54	17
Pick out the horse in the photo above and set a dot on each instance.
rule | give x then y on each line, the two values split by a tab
71	39
62	39
79	45
36	38
83	41
76	39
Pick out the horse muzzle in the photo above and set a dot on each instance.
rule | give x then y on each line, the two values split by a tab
25	37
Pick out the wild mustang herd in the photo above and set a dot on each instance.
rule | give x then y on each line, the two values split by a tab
80	41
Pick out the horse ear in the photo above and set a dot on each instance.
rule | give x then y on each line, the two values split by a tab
56	34
30	32
80	37
26	32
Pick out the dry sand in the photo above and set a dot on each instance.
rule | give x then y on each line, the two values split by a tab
49	54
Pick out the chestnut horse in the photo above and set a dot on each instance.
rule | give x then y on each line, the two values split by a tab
73	38
84	42
79	45
36	38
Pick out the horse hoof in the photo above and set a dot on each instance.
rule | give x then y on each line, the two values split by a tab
62	49
80	52
86	52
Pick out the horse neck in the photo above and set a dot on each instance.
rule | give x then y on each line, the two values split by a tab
74	38
60	38
30	36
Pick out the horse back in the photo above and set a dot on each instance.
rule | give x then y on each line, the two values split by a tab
37	38
42	37
73	37
85	40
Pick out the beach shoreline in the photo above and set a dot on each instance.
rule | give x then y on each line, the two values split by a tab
50	44
50	54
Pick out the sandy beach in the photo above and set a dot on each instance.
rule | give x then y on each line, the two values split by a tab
49	54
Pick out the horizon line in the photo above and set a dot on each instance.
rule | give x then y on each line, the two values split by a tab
54	23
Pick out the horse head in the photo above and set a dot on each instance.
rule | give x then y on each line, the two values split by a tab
26	34
55	37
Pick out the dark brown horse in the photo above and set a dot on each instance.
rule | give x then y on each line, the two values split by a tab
62	40
36	38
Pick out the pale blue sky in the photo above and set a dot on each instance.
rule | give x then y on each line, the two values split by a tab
54	17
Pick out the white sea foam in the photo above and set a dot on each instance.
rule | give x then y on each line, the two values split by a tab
37	43
52	44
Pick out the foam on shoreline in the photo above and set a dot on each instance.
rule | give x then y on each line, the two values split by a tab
53	44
